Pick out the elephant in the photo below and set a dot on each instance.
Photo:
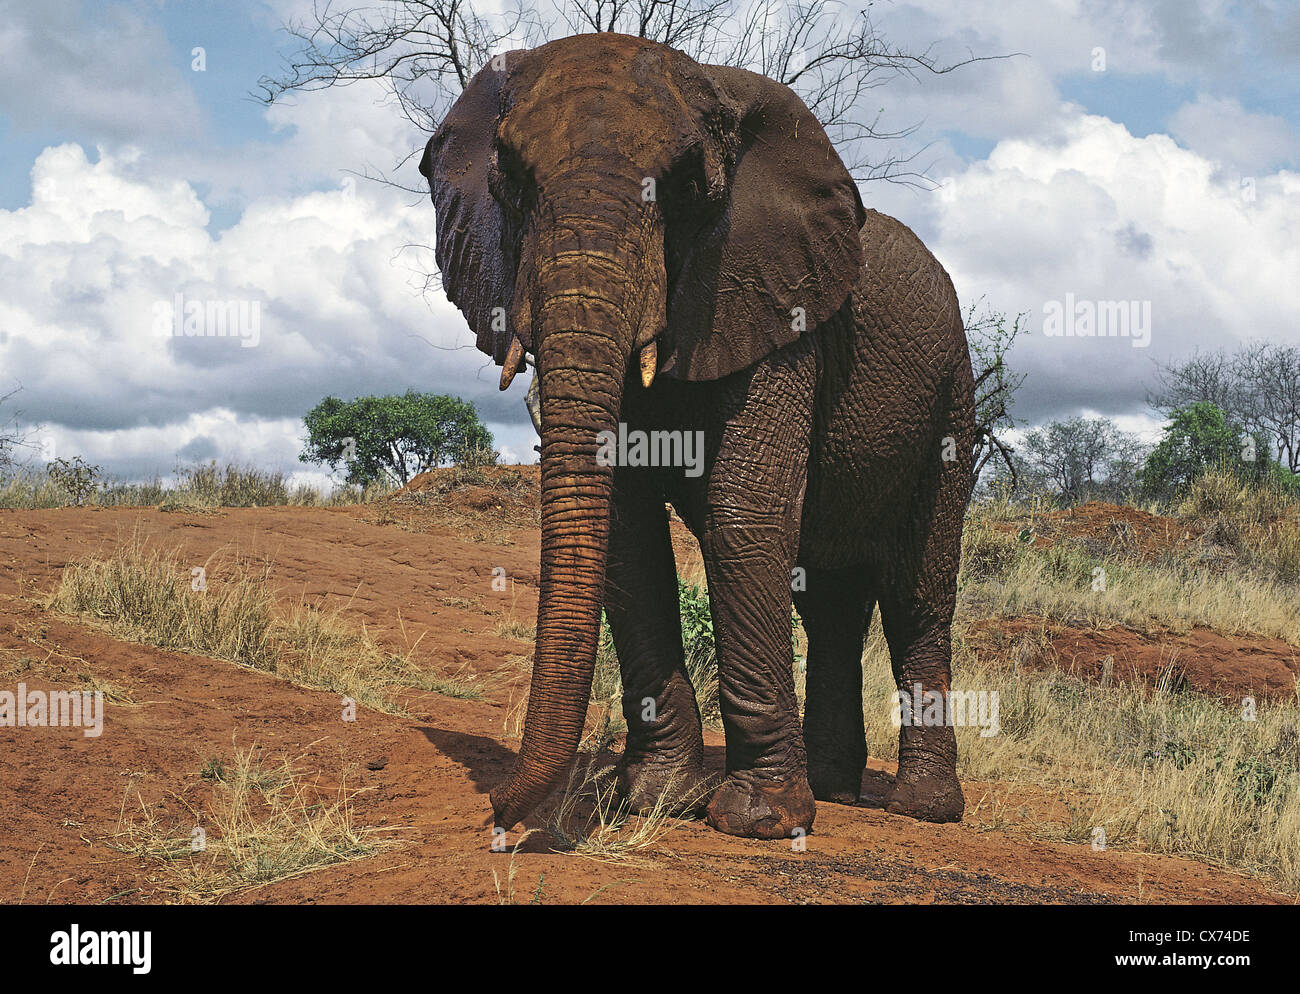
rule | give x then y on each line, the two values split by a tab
679	249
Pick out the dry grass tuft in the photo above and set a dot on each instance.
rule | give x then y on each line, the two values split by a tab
1003	577
149	596
261	821
1156	769
511	627
591	820
197	489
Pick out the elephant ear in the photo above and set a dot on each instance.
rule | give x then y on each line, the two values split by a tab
477	272
781	251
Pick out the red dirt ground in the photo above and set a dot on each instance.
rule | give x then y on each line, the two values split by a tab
1131	530
415	582
1202	660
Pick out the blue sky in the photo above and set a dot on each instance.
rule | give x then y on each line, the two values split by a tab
242	41
127	178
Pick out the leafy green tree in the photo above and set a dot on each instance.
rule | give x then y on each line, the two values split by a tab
1198	438
393	437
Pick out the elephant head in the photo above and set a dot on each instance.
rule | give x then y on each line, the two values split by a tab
621	212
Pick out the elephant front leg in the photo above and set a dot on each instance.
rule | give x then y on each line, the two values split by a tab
663	762
766	793
749	504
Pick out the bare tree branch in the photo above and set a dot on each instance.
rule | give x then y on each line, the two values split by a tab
13	436
989	339
425	51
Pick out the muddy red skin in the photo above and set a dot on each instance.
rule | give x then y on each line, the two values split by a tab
603	194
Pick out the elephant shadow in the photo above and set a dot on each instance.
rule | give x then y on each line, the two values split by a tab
486	761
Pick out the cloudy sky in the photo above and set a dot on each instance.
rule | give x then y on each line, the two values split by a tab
1145	151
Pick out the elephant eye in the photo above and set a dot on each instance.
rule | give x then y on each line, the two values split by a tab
508	180
687	183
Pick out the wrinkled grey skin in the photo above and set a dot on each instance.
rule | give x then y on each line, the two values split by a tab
818	348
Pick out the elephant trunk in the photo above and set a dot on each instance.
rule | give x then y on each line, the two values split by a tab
587	320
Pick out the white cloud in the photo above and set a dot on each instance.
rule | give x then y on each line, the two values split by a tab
1182	39
103	243
331	138
1223	131
1104	215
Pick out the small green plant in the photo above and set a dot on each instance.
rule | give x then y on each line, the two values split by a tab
213	770
697	621
1256	780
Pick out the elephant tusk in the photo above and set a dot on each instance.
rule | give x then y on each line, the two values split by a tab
513	358
649	364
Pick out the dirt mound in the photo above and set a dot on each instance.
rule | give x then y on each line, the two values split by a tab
437	480
1109	527
419	483
1200	660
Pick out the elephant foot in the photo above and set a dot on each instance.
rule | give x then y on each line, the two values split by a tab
674	789
839	785
926	797
768	809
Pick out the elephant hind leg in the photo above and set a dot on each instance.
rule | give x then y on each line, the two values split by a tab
926	786
917	600
835	608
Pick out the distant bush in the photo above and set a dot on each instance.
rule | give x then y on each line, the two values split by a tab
477	455
395	437
1198	440
1224	491
205	486
76	478
1258	521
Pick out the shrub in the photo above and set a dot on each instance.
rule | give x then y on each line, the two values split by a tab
394	437
1198	439
987	553
78	479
